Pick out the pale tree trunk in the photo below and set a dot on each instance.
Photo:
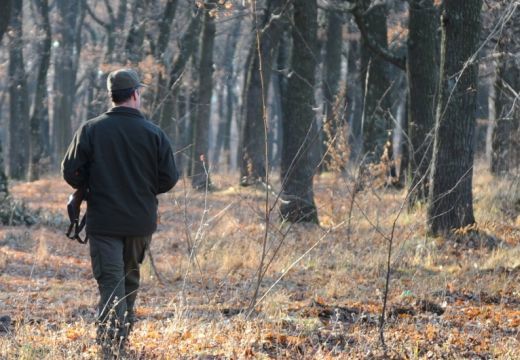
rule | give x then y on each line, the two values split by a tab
200	164
19	103
40	115
450	199
505	155
332	69
263	49
297	168
423	80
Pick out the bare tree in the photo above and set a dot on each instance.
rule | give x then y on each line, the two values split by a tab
332	76
68	26
19	99
450	199
39	123
505	154
254	131
200	164
299	126
5	16
422	68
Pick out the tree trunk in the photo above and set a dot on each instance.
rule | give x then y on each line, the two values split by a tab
5	16
40	115
200	163
505	154
423	80
18	140
450	199
135	38
228	98
297	169
354	97
188	45
263	49
332	69
375	84
162	44
68	26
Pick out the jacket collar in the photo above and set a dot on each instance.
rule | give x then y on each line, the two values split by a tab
124	110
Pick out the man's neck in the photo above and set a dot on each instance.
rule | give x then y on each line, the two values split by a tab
129	104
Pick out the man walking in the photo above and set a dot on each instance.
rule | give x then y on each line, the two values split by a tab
122	161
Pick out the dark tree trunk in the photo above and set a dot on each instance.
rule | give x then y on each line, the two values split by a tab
375	84
354	99
405	147
5	16
299	124
162	44
332	69
114	29
200	164
505	155
188	45
450	199
423	80
135	38
263	49
40	115
165	28
228	98
19	104
68	26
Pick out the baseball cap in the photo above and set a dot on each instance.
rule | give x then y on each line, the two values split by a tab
123	79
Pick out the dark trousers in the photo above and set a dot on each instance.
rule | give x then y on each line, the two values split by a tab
115	264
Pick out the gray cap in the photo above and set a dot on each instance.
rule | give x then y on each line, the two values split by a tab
123	79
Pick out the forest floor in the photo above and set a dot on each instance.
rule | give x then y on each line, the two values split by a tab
321	297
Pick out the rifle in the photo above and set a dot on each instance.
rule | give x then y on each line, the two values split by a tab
74	211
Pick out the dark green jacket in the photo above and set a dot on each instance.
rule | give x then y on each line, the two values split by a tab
125	161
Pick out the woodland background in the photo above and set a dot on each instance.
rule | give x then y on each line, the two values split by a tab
350	186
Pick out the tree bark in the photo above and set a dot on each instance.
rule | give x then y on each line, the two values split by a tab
135	38
297	168
200	163
505	155
354	97
332	69
263	49
39	122
5	16
228	98
18	139
162	45
68	26
375	84
423	80
188	45
450	199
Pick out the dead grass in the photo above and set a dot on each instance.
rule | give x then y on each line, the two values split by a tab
325	306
